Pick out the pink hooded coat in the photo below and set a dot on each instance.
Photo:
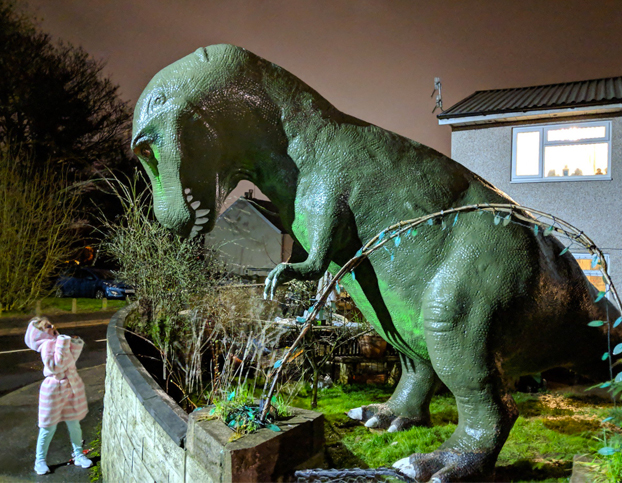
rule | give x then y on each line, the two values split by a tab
62	396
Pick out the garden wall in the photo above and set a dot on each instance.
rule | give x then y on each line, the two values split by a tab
146	436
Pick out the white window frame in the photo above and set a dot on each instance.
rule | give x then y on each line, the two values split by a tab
543	130
596	271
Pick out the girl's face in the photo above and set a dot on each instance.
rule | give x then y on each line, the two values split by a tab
46	326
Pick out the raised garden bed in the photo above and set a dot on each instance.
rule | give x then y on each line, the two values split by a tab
261	456
146	436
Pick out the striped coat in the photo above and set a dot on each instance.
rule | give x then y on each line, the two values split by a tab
62	396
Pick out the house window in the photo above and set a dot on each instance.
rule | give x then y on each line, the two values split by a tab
593	274
562	152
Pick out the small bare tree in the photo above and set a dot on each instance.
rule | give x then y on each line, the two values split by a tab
37	212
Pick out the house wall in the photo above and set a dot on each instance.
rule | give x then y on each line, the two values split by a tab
592	206
248	242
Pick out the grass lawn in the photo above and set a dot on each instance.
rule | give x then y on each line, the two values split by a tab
62	305
550	430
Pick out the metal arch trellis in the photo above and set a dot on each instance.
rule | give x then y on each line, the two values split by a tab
514	213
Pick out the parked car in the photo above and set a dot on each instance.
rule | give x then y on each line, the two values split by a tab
91	283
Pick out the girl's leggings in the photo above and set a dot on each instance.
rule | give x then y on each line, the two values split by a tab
46	434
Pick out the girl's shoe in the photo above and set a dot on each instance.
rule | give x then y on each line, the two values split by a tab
82	461
41	467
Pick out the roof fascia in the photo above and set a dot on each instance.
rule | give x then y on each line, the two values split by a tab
529	115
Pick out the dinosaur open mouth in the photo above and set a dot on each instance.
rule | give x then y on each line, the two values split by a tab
200	214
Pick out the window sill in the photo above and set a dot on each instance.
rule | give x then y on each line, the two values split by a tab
561	179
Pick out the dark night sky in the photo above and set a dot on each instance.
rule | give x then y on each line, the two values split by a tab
374	59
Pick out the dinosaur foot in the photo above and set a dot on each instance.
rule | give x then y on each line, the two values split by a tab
447	466
380	416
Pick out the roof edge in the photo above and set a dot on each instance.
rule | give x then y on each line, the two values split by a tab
525	115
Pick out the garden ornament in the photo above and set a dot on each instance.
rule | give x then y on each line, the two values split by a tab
471	305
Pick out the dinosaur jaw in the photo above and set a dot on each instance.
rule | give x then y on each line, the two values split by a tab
203	218
186	215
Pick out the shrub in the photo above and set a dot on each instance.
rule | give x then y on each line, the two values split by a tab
214	337
175	281
36	227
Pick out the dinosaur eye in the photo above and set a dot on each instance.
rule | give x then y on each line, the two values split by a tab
146	152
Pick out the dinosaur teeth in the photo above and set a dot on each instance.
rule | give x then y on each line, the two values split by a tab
187	191
201	221
201	213
189	198
195	205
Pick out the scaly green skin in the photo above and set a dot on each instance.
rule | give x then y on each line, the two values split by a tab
470	305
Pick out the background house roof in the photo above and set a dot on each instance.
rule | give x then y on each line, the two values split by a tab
552	96
269	211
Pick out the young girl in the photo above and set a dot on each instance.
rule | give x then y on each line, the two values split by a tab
62	396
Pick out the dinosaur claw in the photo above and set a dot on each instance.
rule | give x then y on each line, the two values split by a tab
404	466
393	429
372	423
266	290
356	413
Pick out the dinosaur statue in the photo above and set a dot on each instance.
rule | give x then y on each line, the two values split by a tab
470	306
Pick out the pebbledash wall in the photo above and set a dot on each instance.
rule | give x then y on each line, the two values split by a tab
592	206
143	429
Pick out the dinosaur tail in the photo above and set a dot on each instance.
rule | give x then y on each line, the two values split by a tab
601	341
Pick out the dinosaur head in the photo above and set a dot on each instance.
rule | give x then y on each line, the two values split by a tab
199	127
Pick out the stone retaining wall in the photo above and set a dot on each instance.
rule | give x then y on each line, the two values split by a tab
144	432
143	429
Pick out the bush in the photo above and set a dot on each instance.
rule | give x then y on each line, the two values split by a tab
213	337
175	281
37	211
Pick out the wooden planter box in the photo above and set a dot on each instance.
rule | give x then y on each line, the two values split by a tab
261	456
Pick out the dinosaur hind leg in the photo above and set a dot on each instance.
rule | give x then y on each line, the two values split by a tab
410	403
487	413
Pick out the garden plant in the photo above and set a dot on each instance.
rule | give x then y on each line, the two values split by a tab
215	339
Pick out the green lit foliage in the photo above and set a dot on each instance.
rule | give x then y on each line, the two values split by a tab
175	281
240	413
37	212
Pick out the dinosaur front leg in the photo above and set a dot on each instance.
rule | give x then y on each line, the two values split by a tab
311	269
410	403
324	225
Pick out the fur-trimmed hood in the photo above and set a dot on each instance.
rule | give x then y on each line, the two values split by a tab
35	337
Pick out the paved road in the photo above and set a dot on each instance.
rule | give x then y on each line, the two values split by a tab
18	434
20	366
